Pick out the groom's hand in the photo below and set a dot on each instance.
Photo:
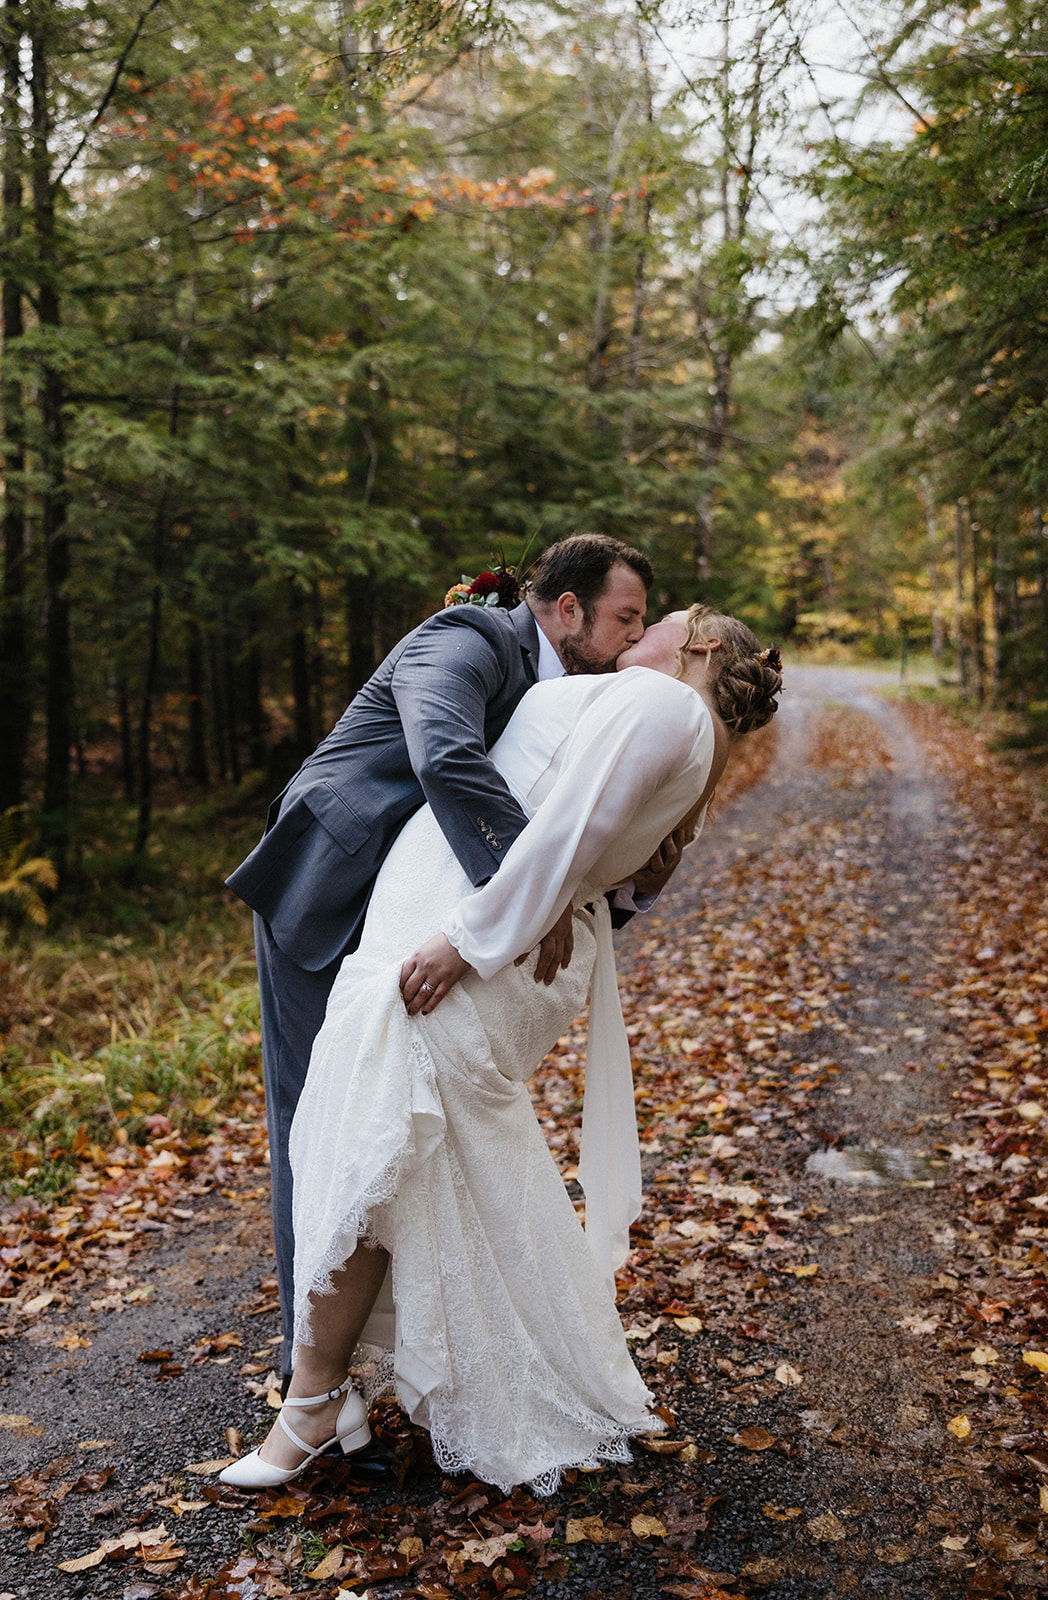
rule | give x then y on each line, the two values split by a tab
555	949
431	973
656	873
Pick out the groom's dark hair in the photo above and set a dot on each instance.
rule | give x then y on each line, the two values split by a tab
580	565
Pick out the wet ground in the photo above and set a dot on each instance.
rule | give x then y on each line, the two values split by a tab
822	1465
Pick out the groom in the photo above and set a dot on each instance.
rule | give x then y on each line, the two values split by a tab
418	731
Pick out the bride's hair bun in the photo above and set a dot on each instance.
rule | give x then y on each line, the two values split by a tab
744	678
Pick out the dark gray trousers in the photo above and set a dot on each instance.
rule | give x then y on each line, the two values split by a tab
293	1006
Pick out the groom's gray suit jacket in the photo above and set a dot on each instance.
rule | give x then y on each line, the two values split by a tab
418	730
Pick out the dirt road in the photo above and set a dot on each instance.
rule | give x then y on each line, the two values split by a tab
846	1424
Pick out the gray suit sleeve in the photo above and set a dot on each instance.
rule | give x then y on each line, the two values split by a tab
443	684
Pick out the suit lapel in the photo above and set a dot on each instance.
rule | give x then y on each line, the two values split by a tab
528	634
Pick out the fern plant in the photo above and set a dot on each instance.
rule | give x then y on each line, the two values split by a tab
22	875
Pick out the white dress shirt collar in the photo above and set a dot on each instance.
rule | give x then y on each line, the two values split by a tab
550	664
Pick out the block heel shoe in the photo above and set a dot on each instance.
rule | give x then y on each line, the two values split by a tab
351	1433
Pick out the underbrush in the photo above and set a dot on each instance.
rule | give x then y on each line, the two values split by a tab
134	1013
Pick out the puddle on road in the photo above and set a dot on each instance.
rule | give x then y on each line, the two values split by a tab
876	1169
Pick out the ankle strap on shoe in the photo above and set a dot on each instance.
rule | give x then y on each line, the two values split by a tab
318	1399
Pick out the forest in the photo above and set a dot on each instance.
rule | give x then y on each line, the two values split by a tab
309	309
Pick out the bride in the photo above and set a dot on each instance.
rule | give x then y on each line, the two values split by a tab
430	1218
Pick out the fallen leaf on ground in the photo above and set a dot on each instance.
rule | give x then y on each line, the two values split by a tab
826	1529
893	1555
484	1551
960	1427
329	1565
590	1530
754	1439
763	1570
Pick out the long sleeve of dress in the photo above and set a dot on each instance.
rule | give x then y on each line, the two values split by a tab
628	772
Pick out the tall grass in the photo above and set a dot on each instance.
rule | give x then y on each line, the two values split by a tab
137	1001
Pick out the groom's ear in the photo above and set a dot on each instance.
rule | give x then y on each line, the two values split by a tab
569	610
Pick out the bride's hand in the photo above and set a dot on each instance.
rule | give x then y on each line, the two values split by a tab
431	973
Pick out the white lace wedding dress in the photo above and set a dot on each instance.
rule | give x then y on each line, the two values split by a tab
419	1133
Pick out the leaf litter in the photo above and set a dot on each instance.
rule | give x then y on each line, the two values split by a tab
739	998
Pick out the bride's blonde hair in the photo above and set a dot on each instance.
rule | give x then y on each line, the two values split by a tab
743	678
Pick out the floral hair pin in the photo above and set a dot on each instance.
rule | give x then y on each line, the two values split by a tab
499	587
771	658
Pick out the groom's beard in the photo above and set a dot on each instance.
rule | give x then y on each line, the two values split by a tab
579	656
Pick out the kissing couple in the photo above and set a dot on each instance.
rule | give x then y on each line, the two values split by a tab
434	899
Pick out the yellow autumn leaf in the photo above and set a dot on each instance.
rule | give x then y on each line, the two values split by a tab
955	1541
1043	1494
984	1355
1036	1358
826	1529
329	1565
38	1302
587	1530
12	1419
94	1558
411	1547
648	1528
808	1271
960	1427
787	1375
689	1324
207	1469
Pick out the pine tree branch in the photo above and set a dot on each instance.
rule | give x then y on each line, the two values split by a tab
111	90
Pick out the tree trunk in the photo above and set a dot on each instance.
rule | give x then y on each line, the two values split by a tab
931	524
229	702
740	128
1002	670
640	274
304	741
145	722
636	336
255	715
58	692
218	717
712	450
959	620
15	675
1040	534
360	631
198	772
127	748
978	631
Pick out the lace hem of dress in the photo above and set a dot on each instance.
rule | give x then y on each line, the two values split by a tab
374	1373
356	1224
614	1447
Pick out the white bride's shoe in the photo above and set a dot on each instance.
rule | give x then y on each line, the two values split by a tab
351	1433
